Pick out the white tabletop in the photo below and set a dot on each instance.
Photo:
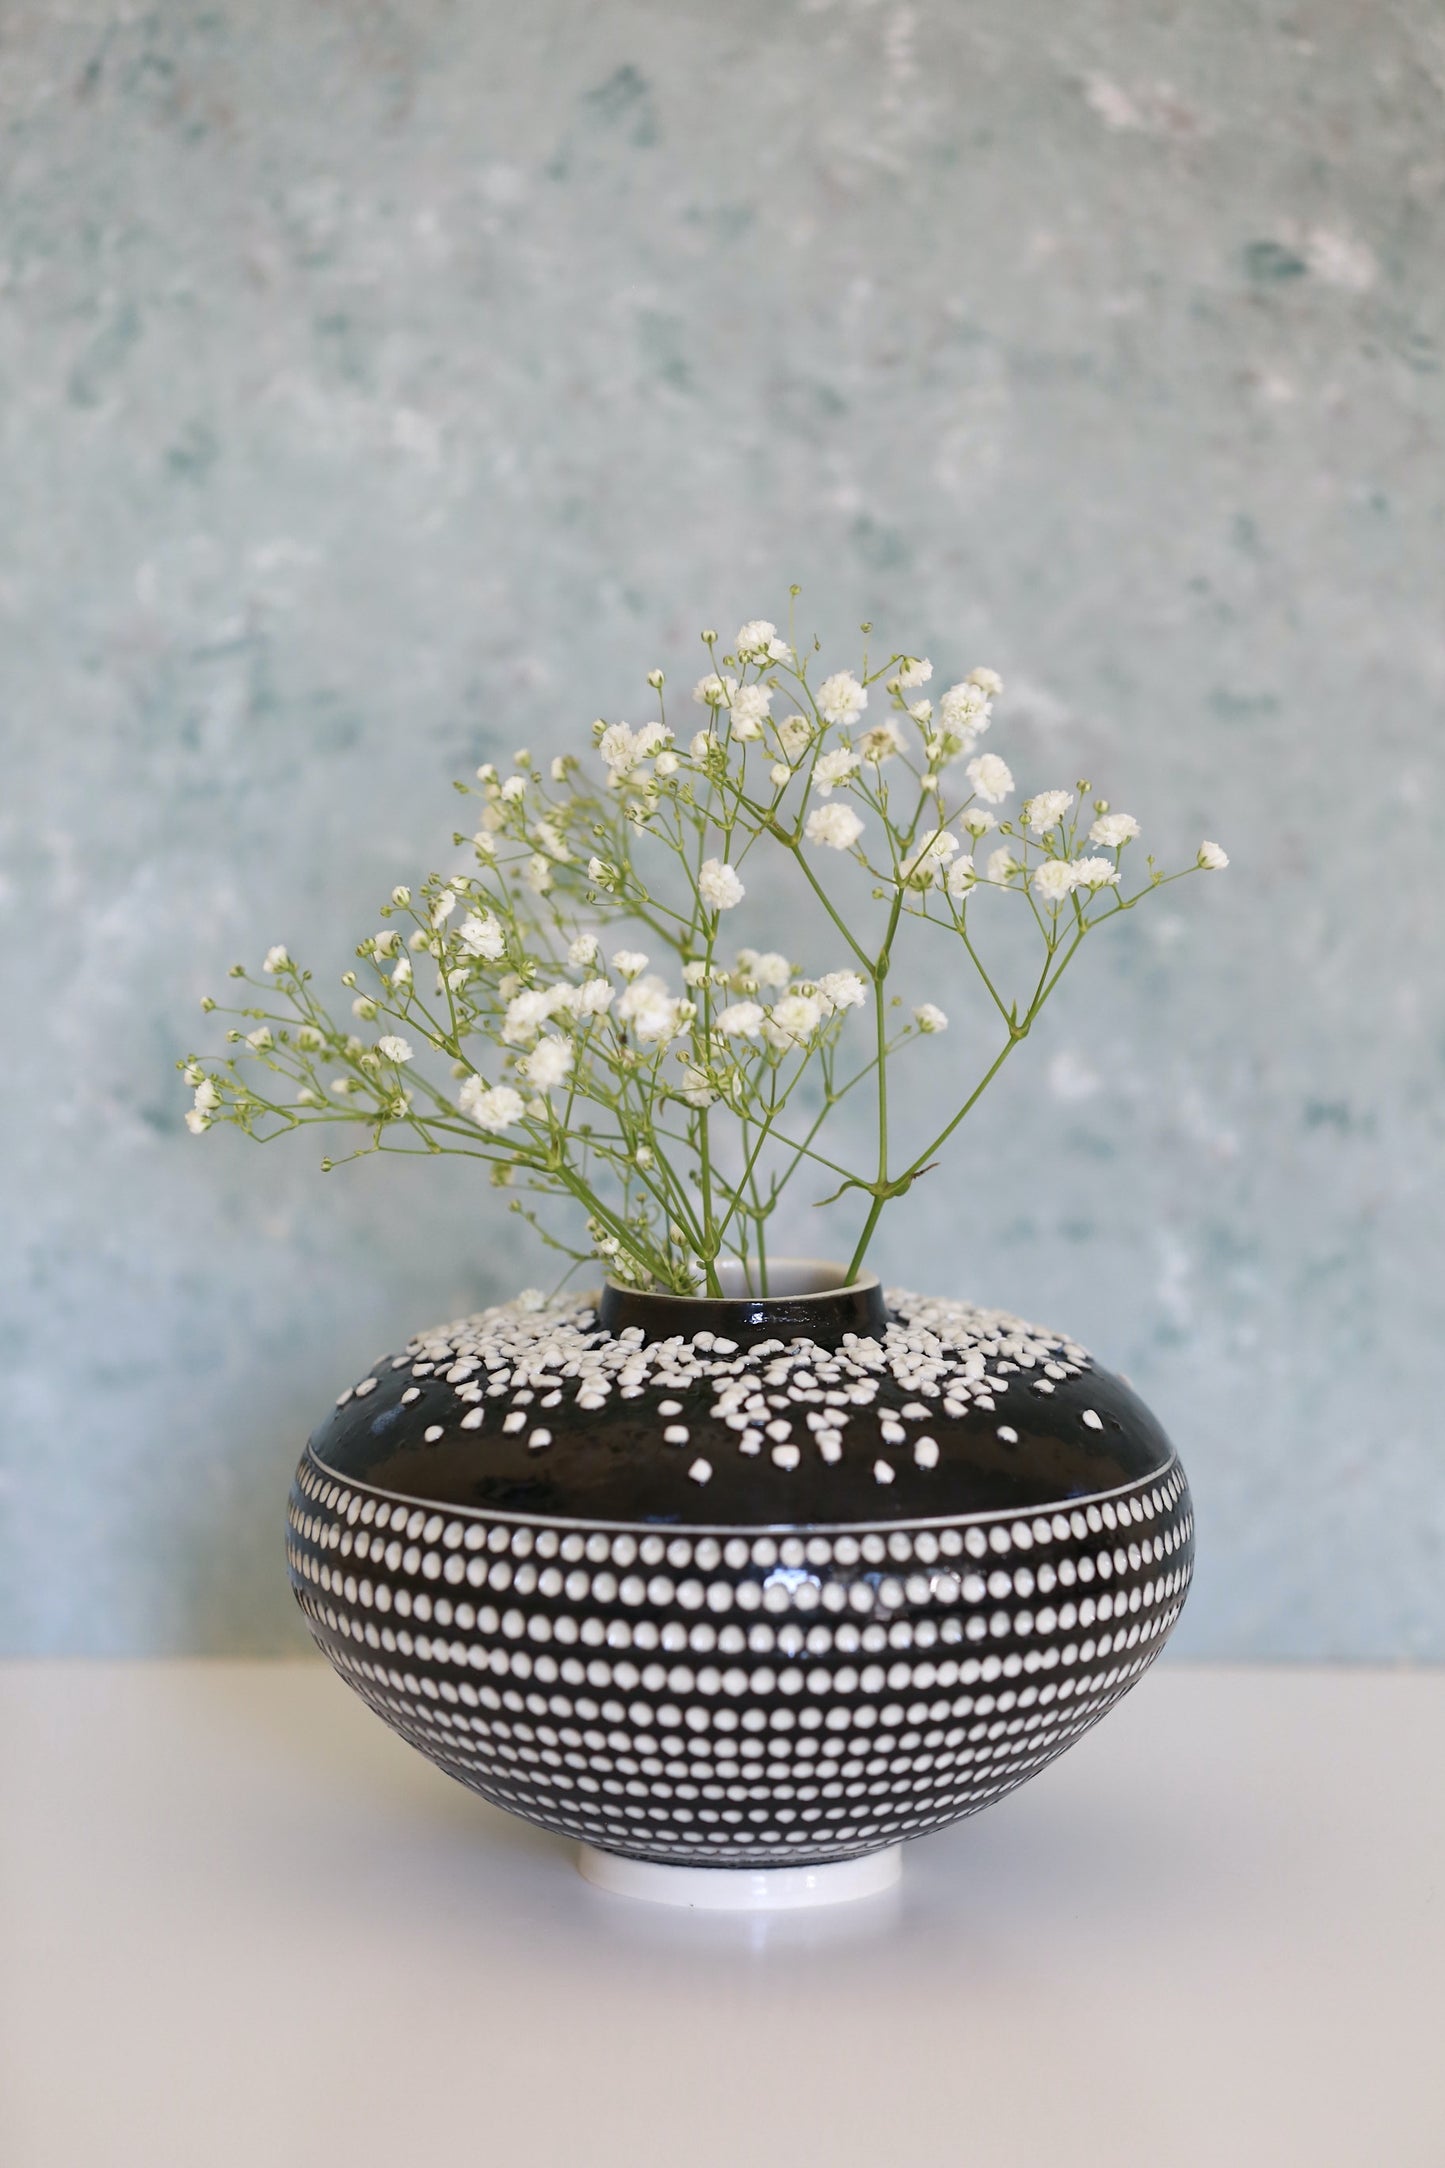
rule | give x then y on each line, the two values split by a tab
243	1924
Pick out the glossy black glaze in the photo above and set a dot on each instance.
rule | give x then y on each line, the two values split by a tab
611	1464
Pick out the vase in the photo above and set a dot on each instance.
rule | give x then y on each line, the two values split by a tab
740	1594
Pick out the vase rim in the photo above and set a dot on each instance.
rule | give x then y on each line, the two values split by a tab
810	1296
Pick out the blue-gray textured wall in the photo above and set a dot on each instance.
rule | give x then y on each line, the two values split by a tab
381	386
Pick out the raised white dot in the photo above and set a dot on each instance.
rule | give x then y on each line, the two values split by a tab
413	1392
432	1432
367	1385
786	1456
675	1434
1009	1436
472	1420
882	1473
538	1439
1095	1422
700	1470
925	1452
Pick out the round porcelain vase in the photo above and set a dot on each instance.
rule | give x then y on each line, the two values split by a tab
741	1593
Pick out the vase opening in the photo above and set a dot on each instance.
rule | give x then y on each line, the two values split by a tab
806	1296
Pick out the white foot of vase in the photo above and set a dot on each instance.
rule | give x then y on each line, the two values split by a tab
743	1889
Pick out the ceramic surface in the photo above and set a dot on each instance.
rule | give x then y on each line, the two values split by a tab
733	1584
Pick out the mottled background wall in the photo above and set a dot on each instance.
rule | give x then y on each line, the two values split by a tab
380	386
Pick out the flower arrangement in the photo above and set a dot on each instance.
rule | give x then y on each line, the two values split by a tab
493	1017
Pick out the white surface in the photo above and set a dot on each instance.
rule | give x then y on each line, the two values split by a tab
737	1889
244	1927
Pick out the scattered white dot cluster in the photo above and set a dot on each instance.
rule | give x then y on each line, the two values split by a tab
775	1397
685	1696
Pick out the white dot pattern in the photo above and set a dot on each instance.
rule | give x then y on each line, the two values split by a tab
708	1697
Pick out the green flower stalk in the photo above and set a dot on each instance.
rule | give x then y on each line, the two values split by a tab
669	1088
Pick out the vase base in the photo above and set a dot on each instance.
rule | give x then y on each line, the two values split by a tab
742	1889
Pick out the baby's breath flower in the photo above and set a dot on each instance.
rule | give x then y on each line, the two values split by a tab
960	877
444	906
841	990
713	691
391	1048
539	876
964	709
1114	830
834	827
795	735
740	1020
527	1013
401	976
548	1063
770	969
629	963
841	699
1212	858
197	1122
719	886
1002	865
481	935
654	1015
794	1018
750	704
914	670
1046	809
364	1007
923	865
697	1087
493	1108
260	1039
603	874
401	897
1053	879
583	950
277	959
779	775
978	821
618	749
881	742
550	841
832	769
758	641
207	1097
1095	873
930	1018
592	998
990	778
666	766
987	681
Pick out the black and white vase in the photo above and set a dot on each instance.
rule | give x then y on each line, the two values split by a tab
739	1594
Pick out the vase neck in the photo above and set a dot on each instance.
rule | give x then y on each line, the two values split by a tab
805	1300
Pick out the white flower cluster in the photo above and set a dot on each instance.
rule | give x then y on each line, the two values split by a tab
489	1015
